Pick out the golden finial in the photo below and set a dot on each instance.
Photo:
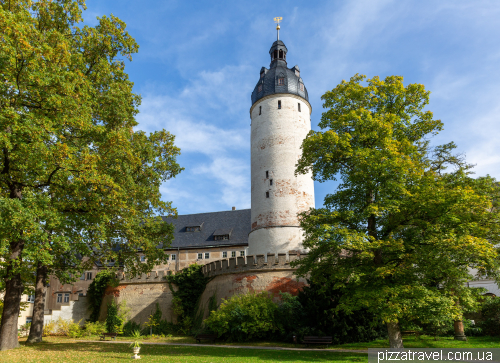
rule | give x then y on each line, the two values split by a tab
277	21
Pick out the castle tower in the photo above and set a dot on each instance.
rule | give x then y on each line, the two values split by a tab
280	115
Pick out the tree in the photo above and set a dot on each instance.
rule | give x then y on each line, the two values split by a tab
75	178
401	231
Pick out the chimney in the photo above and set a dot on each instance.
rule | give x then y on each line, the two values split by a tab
234	208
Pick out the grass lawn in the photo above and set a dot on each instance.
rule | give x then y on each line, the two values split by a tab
429	342
68	350
63	349
409	342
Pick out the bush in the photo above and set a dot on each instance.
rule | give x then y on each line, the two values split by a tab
244	317
114	322
75	330
320	317
129	327
490	312
95	328
49	328
471	329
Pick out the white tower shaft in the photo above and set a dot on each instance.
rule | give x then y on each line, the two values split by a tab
278	127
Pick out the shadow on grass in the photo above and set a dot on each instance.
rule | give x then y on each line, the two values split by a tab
237	354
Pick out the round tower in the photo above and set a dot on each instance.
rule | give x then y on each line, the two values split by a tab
280	115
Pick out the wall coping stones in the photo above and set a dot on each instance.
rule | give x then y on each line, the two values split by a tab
270	261
273	262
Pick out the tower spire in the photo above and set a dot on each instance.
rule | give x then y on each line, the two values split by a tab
277	21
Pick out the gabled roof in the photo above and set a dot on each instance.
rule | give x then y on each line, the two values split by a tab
235	222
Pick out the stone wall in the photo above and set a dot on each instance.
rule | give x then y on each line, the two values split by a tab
76	310
238	275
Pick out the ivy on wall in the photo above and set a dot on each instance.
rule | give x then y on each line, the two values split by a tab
190	284
95	292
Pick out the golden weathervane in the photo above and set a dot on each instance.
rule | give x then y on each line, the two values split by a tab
277	21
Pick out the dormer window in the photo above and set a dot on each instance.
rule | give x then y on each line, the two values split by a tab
195	228
259	89
301	86
262	74
222	234
281	81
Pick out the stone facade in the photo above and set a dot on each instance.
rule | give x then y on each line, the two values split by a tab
278	195
271	273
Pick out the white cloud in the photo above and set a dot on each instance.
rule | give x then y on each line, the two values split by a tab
211	125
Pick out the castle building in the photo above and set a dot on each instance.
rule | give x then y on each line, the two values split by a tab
244	250
241	250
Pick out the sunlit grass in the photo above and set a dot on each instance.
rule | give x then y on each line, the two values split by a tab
67	350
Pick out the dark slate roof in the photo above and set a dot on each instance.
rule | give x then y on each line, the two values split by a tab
236	221
278	69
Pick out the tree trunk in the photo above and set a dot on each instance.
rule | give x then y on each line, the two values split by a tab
36	330
459	330
12	299
395	339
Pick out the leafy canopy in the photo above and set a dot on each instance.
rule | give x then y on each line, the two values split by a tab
76	177
407	221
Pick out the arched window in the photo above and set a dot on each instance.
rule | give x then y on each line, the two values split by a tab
281	54
275	54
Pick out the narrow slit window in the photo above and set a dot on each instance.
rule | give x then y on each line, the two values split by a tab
279	105
267	174
299	106
260	110
267	194
270	182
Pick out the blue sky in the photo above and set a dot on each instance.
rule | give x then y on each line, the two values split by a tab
199	62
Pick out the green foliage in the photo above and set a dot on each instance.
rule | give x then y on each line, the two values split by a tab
75	330
49	328
95	292
95	328
154	320
244	317
490	314
406	223
114	320
190	284
136	335
75	183
129	327
321	316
